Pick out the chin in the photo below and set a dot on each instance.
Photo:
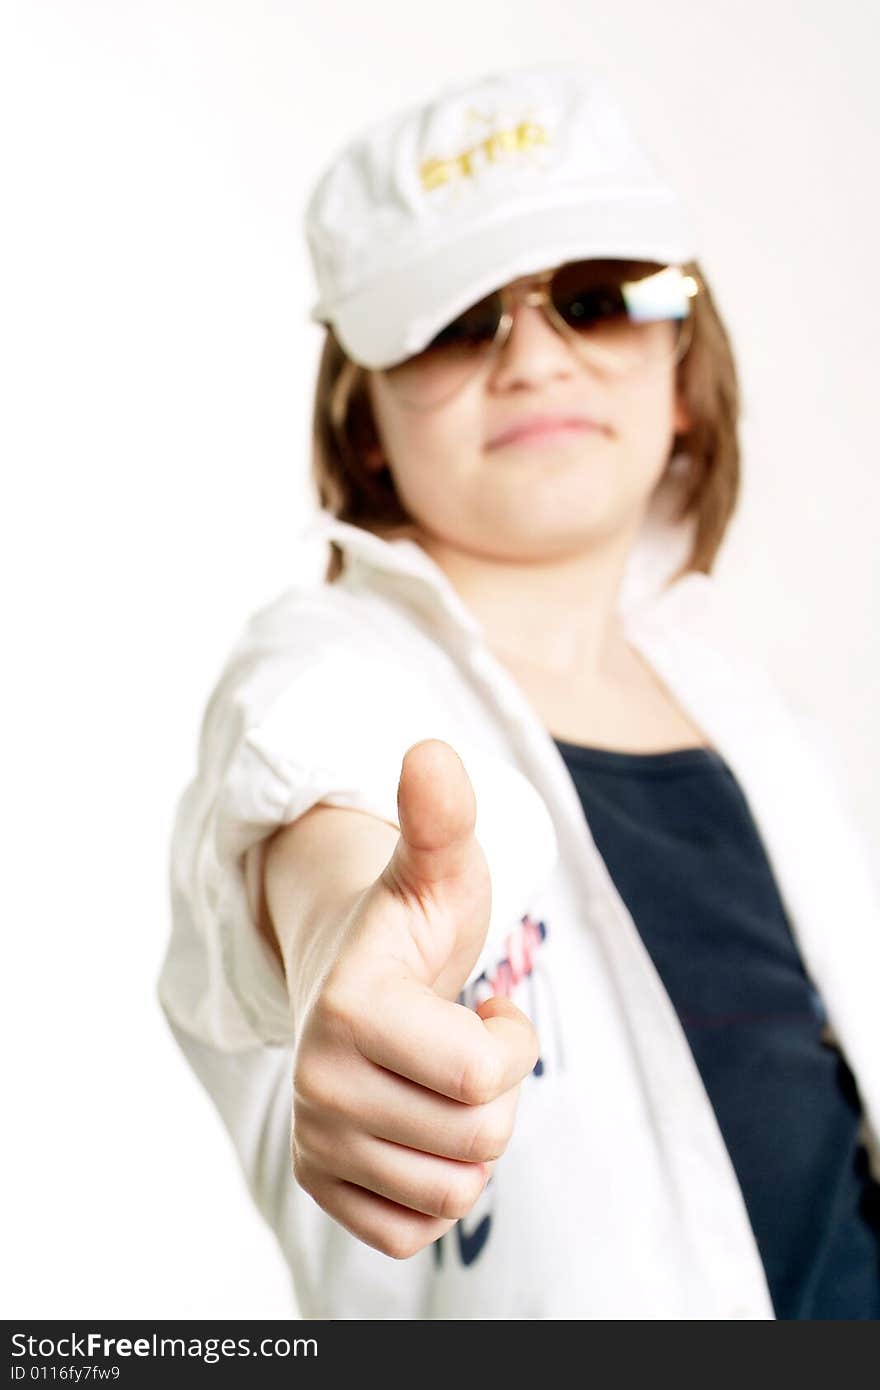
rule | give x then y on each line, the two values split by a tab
552	505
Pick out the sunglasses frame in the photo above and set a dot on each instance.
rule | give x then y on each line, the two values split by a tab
534	290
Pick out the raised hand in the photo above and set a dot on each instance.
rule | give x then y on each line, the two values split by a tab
403	1099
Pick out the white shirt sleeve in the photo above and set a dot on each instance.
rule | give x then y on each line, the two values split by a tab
271	747
311	708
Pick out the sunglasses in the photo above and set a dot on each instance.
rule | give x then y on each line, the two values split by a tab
618	316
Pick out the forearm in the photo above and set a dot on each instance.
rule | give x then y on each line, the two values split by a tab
314	871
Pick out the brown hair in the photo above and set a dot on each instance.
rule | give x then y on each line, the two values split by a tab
344	434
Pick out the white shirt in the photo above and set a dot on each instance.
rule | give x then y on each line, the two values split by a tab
616	1197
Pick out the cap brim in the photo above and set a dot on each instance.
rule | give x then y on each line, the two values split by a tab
400	312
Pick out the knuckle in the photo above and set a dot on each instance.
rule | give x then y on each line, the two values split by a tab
318	1087
318	1140
337	1005
306	1136
489	1139
455	1200
309	1086
400	1242
480	1079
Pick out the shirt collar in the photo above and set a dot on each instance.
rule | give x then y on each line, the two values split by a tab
401	561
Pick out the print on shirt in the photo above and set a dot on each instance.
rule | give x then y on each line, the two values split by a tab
521	947
470	1234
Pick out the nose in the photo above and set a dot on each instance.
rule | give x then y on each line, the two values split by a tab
534	348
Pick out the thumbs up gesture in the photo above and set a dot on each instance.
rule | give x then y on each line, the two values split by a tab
403	1099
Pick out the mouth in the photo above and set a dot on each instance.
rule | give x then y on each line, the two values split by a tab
543	432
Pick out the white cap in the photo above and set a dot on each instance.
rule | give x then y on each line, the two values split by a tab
424	213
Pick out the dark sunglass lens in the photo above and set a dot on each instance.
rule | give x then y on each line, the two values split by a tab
586	293
475	328
595	291
584	307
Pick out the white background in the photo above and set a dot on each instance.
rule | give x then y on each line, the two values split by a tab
157	379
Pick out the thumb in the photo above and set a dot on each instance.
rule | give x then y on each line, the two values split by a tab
438	862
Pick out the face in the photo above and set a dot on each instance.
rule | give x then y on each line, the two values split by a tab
535	497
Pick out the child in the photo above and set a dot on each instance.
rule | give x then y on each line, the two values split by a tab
521	937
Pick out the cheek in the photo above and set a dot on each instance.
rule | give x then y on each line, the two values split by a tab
646	411
432	453
426	469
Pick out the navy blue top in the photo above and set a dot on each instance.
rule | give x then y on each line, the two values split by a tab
679	841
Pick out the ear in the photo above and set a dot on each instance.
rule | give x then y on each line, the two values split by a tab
374	460
682	417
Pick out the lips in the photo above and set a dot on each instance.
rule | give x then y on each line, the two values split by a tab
534	426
